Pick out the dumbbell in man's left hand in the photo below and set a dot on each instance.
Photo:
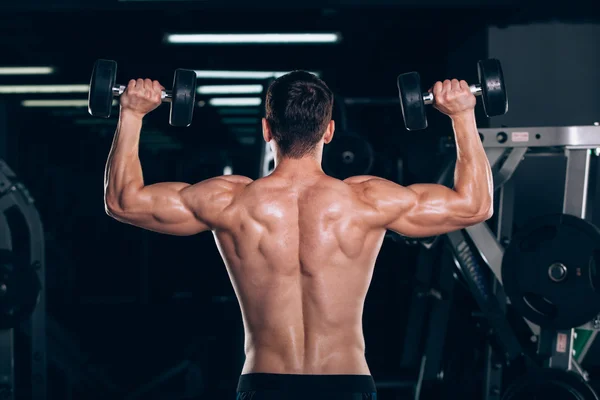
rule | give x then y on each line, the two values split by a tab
141	97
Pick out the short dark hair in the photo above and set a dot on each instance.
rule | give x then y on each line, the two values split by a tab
298	108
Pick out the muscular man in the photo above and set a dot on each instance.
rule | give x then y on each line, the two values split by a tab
300	246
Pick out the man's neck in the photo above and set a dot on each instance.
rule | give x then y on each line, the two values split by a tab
298	166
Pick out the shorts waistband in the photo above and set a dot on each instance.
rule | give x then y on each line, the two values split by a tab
285	382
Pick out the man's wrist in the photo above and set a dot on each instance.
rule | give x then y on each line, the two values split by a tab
463	117
127	115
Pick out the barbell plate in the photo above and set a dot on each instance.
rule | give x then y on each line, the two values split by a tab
550	383
493	89
100	96
348	155
19	290
547	271
184	96
411	101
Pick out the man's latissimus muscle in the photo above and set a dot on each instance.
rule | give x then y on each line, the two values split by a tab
301	260
423	210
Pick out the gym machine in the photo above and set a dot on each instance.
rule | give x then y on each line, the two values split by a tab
546	271
22	298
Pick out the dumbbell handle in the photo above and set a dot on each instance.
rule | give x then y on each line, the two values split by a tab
166	95
428	97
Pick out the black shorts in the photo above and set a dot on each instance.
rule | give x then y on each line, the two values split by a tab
260	386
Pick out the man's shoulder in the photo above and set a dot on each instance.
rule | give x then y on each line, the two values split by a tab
362	180
237	179
228	181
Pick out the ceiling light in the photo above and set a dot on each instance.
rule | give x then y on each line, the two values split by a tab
26	70
17	89
57	103
235	101
246	38
230	89
214	74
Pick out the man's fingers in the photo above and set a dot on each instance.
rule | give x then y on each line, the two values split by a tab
147	87
447	85
437	88
464	85
455	84
157	87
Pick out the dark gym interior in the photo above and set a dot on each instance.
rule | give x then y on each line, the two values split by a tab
125	313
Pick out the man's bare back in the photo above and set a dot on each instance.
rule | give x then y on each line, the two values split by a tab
300	257
300	246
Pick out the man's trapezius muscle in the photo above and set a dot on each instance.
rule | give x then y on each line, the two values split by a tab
300	246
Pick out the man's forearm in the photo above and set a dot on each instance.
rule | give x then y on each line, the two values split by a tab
472	178
123	172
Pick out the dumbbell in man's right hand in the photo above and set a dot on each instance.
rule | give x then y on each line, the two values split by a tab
141	97
453	98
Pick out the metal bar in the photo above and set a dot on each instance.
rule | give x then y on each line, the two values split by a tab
428	97
488	247
417	315
494	156
492	378
567	136
575	203
577	368
482	293
437	323
509	166
586	348
576	182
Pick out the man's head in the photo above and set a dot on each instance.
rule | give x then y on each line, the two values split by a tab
298	114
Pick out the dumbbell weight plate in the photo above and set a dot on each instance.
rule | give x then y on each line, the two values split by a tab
411	101
493	90
100	97
20	289
550	383
184	95
348	155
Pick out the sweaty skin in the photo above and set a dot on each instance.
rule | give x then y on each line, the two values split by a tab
300	246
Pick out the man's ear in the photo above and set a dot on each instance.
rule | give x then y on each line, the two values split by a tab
329	132
266	128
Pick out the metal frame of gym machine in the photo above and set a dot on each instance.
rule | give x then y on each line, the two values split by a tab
506	148
14	194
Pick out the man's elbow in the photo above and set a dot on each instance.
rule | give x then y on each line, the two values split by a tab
112	206
484	212
118	207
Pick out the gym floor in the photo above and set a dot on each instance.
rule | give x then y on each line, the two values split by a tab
121	314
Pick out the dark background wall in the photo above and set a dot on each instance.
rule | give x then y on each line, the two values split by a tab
139	302
552	70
